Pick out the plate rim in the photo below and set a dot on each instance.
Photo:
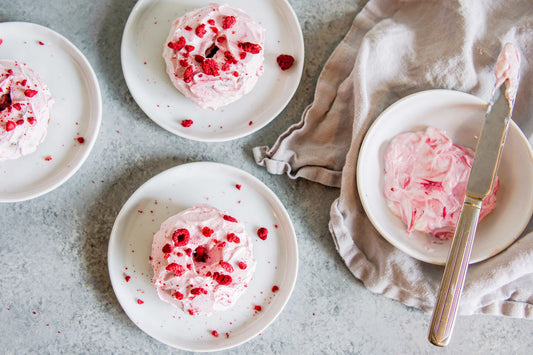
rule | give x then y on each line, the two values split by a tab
255	127
91	80
292	240
363	147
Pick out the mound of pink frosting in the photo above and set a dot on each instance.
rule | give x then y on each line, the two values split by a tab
214	55
425	181
25	103
202	260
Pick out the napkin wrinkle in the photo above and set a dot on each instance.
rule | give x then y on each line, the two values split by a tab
395	48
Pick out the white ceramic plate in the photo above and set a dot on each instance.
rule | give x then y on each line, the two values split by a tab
461	116
171	192
77	111
144	70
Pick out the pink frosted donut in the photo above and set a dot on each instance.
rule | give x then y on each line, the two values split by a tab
25	103
214	55
202	260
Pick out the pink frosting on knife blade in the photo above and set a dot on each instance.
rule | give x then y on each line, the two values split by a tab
507	69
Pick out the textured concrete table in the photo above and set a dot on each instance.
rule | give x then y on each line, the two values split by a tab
55	293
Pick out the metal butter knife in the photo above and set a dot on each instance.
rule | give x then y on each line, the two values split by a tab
480	184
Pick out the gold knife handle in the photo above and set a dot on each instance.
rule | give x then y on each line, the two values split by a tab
451	286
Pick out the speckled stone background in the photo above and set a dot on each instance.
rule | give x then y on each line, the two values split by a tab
55	293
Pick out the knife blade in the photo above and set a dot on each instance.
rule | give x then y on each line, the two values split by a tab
480	183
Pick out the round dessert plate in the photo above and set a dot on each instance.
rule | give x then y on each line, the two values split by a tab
461	117
175	190
77	110
144	69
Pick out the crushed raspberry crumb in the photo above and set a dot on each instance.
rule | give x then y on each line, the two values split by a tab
41	43
187	75
214	29
199	58
226	266
221	39
189	48
188	251
207	232
257	308
167	248
30	92
275	288
48	158
186	123
127	278
210	67
200	31
249	47
177	45
242	55
285	61
200	254
80	140
181	237
178	295
198	291
242	265
238	186
211	22
214	333
262	233
221	245
232	238
236	74
17	106
184	63
222	279
177	269
10	125
188	28
1	41
228	22
229	218
139	301
250	123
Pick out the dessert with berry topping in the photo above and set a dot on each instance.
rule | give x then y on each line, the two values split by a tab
425	181
25	103
214	55
202	260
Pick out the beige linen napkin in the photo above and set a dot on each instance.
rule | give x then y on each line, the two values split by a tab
393	49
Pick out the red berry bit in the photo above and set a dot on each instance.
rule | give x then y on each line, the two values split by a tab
200	254
31	120
17	106
200	31
229	218
178	295
232	238
177	45
249	47
30	93
214	333
187	75
257	308
177	269
198	291
242	265
207	232
285	61
210	67
262	233
48	158
186	123
222	279
199	58
10	125
181	237
226	266
228	22
221	39
139	301
238	186
275	288
167	248
127	278
189	48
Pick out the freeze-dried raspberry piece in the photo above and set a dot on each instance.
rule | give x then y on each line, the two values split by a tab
181	237
48	158
167	248
199	58
232	238
188	28
177	45
262	233
211	22
10	125
188	251
230	58
200	30
189	48
127	278
229	218
238	186
17	106
226	266
214	333
285	61
249	47
214	29
228	22
177	269
184	63
80	140
210	67
257	308
222	279
187	75
242	55
198	291
139	301
200	254
275	288
31	120
178	295
207	232
221	245
242	265
30	93
221	39
186	123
